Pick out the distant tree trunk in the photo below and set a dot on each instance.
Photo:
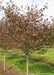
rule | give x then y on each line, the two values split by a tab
5	60
27	65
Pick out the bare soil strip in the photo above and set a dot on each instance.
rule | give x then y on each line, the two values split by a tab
9	71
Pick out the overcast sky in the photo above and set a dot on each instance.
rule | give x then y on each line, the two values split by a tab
48	12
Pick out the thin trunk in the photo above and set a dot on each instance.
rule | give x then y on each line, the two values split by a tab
4	60
27	65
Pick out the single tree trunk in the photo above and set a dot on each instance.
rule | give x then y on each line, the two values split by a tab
27	65
4	60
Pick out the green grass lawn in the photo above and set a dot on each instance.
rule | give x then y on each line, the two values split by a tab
46	55
34	66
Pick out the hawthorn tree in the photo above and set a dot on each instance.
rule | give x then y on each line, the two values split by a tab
28	31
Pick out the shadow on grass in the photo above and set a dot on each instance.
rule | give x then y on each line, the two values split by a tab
21	63
38	67
11	57
34	66
42	51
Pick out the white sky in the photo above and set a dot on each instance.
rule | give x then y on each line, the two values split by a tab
48	12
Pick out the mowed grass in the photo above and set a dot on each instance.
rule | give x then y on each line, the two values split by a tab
45	54
20	64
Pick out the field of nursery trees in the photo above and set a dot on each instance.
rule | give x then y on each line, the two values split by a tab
26	41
